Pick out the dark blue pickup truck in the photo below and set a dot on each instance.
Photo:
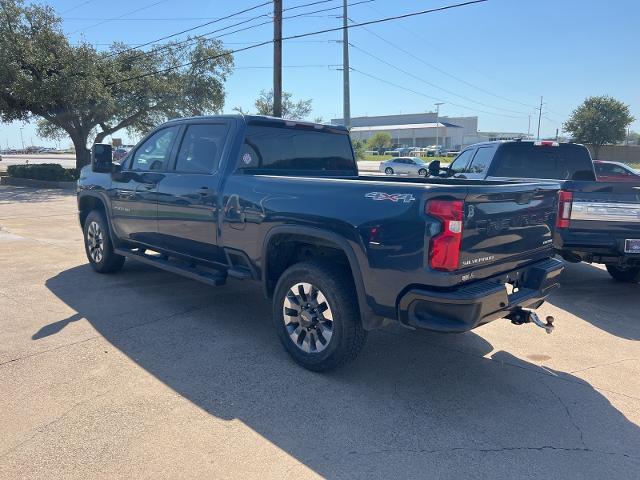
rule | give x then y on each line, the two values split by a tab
597	221
282	203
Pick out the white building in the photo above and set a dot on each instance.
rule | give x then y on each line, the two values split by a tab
415	129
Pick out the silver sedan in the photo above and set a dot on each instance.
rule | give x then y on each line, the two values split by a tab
405	166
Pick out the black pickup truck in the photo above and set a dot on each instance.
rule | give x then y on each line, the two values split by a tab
281	202
597	221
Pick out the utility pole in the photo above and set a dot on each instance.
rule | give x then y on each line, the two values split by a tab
21	139
346	88
277	58
529	128
437	126
539	117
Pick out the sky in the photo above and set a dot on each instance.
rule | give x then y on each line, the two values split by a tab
493	60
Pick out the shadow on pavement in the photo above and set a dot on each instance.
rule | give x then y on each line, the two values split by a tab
591	294
412	405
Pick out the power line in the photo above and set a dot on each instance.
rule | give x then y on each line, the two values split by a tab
75	7
301	35
192	40
444	72
120	16
200	26
438	87
402	87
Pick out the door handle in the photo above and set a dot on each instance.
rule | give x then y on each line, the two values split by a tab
203	191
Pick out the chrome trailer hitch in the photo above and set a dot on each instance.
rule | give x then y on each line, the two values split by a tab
521	316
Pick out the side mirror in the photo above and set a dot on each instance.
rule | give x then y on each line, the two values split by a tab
434	168
101	158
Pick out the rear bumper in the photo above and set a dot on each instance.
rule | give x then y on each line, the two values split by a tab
600	246
472	305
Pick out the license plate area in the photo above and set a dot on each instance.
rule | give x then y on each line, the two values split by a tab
632	245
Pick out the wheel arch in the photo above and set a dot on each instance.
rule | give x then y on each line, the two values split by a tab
87	202
318	238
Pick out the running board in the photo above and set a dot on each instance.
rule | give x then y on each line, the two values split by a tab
215	278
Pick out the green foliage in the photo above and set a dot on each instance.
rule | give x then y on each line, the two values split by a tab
90	94
598	121
290	109
52	172
359	147
379	140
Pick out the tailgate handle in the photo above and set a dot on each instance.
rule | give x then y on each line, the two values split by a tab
526	197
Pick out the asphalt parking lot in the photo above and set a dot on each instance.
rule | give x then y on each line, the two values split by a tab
144	374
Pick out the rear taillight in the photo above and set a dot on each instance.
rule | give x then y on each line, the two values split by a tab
444	251
565	202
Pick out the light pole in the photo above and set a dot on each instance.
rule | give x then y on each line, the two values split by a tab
438	126
21	139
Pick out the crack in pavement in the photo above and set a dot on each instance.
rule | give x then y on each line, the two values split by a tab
604	365
42	428
566	408
543	371
491	450
116	332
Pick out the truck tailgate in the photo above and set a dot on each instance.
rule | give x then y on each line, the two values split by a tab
512	221
608	211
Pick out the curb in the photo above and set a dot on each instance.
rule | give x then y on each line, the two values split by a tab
28	182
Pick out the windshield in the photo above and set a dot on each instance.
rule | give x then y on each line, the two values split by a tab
526	160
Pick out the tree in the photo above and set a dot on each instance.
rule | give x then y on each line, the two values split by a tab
290	109
599	120
632	138
358	148
379	140
86	94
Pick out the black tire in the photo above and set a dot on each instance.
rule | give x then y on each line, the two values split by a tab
347	336
388	171
422	172
627	275
101	257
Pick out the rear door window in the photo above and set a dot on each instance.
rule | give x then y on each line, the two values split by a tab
481	162
461	161
526	160
295	149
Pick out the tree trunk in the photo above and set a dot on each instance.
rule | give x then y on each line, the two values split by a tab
83	157
596	151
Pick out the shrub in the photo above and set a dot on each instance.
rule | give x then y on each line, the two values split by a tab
43	171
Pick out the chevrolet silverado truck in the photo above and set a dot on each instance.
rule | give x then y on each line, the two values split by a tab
598	221
281	203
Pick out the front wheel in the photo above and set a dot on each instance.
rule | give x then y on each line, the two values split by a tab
388	171
316	315
624	274
97	244
422	172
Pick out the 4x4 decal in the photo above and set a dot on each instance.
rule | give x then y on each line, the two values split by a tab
392	197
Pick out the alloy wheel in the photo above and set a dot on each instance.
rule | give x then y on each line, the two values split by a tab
95	242
308	318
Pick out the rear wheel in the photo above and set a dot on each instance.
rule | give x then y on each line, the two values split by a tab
388	171
97	244
422	172
316	315
624	274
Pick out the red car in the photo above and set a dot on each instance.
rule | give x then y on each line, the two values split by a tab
615	172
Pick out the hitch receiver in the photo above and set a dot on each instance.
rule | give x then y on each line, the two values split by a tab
521	316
